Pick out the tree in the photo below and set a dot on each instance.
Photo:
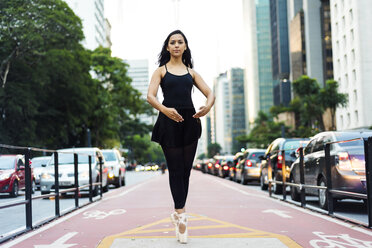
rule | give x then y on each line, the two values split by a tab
213	149
332	99
45	82
264	132
308	102
119	104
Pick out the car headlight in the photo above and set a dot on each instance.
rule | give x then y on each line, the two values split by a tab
84	174
46	176
5	176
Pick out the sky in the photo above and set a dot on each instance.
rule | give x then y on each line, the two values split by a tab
213	29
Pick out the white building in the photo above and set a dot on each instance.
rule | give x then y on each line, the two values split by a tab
138	71
91	12
223	113
352	60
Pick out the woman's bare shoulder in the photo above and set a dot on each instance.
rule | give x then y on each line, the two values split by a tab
160	71
192	72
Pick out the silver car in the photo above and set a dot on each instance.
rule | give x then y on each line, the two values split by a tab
116	165
39	164
66	170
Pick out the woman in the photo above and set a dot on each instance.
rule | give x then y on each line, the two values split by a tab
178	127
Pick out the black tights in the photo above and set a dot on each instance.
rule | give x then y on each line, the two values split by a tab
179	161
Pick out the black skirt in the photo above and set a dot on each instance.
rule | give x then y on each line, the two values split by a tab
170	133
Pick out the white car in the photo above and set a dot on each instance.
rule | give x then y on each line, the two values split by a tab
116	165
39	164
66	170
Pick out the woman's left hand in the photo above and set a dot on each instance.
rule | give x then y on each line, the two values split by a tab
203	110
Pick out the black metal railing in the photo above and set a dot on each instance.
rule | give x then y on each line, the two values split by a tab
26	151
330	191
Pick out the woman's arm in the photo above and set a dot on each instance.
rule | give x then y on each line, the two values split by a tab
151	97
207	92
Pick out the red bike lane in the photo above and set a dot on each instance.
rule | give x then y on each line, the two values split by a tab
221	213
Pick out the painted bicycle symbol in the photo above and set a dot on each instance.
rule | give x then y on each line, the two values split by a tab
99	215
338	241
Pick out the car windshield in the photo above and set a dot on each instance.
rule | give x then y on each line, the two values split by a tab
6	163
350	136
255	156
291	145
68	158
109	155
39	162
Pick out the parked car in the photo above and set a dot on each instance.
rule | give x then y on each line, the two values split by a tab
276	157
13	176
249	167
347	165
232	171
66	170
38	164
116	165
226	163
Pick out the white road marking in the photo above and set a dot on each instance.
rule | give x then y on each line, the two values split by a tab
62	219
304	210
340	240
100	215
59	243
278	212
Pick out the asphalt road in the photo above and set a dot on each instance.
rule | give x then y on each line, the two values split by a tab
13	219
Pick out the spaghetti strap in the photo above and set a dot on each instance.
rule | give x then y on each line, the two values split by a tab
187	69
166	67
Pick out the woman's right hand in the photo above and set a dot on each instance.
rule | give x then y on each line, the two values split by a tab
173	114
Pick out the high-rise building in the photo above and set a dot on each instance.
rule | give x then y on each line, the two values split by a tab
229	110
222	113
306	39
235	76
91	12
325	12
352	52
258	74
138	71
279	39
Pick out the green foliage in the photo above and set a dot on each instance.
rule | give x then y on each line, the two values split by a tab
142	150
331	99
202	156
213	149
264	132
48	97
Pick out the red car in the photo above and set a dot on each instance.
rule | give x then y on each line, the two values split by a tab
12	174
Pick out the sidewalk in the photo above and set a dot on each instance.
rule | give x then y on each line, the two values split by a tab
221	214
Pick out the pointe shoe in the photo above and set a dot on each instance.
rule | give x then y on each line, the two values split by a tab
175	217
182	225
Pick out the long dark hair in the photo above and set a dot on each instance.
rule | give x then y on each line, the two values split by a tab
164	55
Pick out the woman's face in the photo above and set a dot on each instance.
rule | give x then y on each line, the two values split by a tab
176	45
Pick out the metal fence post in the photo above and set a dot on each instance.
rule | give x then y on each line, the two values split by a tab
269	172
302	177
101	175
76	174
90	179
284	176
56	184
28	194
368	164
327	151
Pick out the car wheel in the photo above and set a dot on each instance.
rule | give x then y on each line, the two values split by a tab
105	188
294	191
33	187
243	180
262	182
118	182
323	197
123	181
277	188
15	189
